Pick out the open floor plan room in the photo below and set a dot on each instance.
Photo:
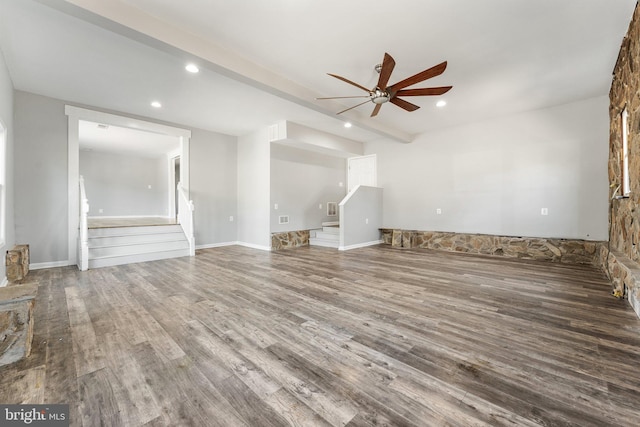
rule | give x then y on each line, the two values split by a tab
316	337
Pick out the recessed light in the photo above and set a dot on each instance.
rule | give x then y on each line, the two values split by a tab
156	104
441	103
192	68
347	125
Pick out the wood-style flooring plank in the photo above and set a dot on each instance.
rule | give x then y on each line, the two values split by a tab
371	337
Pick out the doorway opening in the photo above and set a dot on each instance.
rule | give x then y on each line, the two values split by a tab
174	177
75	117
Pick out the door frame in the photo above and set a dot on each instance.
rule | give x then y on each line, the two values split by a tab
171	162
74	116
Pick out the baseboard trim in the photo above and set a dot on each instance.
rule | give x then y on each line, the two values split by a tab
252	246
360	245
54	264
129	217
215	245
4	282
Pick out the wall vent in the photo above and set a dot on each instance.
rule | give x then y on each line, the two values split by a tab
283	219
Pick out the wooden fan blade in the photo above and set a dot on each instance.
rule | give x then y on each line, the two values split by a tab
404	104
349	81
376	110
420	77
385	73
424	91
351	108
345	97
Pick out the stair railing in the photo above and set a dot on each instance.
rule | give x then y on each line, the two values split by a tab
83	235
185	218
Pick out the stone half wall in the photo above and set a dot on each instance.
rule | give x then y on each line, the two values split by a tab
622	265
555	250
623	273
289	239
625	92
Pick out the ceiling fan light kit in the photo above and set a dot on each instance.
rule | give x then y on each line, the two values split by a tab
379	97
382	93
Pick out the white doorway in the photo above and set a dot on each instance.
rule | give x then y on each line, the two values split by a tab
174	180
362	171
75	115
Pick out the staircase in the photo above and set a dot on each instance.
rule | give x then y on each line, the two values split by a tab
125	245
328	236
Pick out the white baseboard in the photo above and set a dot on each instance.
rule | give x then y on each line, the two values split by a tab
360	245
215	245
252	246
54	264
129	216
4	282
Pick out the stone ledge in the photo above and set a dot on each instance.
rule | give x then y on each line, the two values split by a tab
624	274
541	249
17	263
290	239
16	321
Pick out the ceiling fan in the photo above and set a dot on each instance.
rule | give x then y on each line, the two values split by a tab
383	93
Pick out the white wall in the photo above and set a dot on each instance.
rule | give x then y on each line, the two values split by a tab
495	176
214	186
41	179
6	115
41	176
254	189
361	216
301	181
119	183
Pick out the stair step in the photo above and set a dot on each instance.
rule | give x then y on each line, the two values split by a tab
126	245
327	236
137	248
127	231
327	243
331	224
130	239
330	229
143	257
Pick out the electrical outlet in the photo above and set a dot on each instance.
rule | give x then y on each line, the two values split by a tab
149	186
320	206
438	211
231	218
101	210
366	220
544	211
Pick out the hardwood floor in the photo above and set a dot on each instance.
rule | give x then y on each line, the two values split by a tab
316	337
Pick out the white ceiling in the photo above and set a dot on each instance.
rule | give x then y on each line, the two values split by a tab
115	139
264	61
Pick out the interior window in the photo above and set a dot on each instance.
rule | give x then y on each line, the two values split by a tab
626	181
3	173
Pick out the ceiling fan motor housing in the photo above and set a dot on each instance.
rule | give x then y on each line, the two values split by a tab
380	97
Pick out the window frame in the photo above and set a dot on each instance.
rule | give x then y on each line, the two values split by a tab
3	186
624	157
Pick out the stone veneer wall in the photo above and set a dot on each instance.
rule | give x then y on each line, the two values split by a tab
556	250
625	215
289	239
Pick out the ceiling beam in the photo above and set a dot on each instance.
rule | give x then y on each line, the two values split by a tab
132	23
